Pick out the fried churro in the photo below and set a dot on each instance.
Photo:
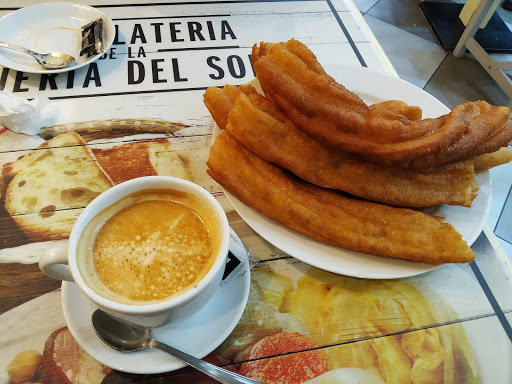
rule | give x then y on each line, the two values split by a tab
260	126
330	217
389	133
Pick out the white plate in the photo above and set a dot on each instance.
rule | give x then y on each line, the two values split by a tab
372	87
50	27
198	336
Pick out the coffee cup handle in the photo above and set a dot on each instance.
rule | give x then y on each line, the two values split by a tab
54	263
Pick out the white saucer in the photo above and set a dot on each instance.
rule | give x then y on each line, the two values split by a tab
198	336
50	27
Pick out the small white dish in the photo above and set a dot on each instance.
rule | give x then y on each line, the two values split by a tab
372	87
50	27
198	335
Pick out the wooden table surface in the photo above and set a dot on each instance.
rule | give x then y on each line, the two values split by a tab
138	111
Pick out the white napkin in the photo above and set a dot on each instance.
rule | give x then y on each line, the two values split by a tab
22	116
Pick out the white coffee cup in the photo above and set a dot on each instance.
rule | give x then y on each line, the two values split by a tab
61	263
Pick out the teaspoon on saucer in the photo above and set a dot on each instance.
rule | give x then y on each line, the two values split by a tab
53	60
128	337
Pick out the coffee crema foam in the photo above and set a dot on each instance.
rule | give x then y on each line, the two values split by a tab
147	247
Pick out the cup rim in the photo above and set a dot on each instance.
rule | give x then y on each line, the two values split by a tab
139	184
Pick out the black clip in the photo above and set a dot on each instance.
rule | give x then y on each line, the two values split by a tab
232	263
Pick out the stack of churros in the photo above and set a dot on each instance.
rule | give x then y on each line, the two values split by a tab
314	157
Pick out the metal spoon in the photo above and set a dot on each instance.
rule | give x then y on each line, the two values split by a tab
129	337
53	60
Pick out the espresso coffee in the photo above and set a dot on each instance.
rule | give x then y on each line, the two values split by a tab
147	247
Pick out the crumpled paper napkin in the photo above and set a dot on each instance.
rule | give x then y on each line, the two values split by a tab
22	116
